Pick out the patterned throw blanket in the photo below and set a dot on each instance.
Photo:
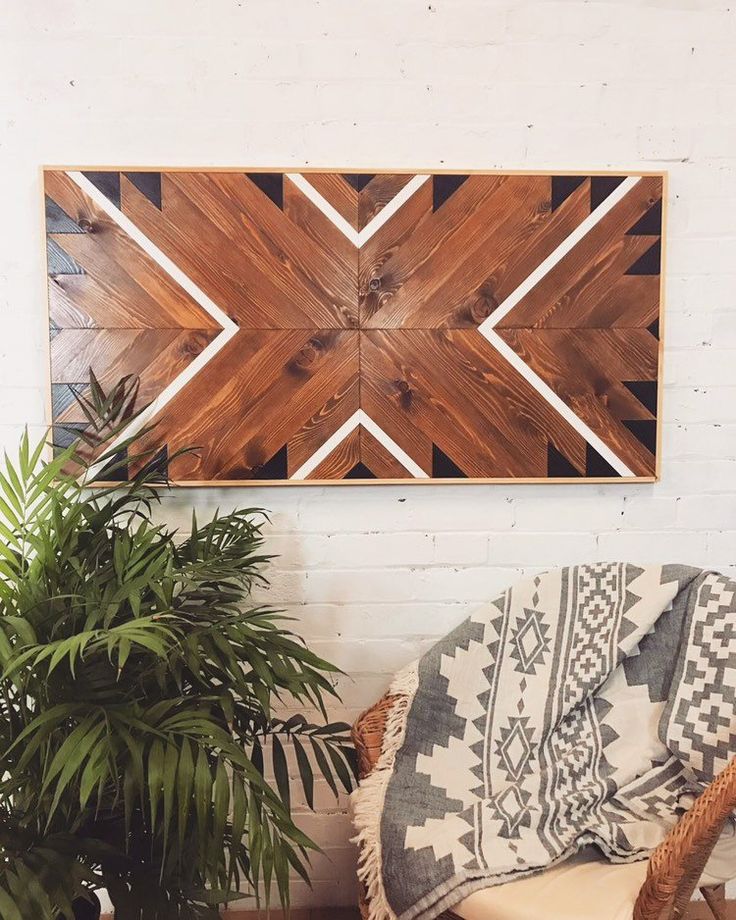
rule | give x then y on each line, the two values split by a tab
577	709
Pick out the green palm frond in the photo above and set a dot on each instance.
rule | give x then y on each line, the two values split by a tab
139	687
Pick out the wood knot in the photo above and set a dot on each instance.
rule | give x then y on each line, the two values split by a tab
405	393
192	347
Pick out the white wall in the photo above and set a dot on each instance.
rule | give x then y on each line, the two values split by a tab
375	573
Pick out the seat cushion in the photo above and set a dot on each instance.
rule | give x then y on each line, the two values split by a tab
721	867
583	887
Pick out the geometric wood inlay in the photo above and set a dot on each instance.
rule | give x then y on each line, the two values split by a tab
324	326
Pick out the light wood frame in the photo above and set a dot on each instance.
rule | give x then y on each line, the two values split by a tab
253	483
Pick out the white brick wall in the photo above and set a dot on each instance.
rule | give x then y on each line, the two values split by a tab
376	573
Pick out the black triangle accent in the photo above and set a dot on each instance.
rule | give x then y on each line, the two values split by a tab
649	263
108	183
148	184
595	465
601	187
358	180
650	224
563	187
120	471
645	431
275	468
360	471
58	221
271	184
60	262
645	391
158	465
558	466
443	186
654	328
443	467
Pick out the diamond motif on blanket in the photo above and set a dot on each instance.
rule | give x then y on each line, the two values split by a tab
530	641
522	741
515	749
510	806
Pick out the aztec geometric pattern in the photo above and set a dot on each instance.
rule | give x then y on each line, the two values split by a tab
580	708
330	326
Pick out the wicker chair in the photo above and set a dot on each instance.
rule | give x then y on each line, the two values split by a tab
675	866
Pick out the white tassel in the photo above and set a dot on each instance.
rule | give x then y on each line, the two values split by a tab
366	801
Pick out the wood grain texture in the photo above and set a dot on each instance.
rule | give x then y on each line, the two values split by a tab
466	400
323	424
587	367
341	460
392	322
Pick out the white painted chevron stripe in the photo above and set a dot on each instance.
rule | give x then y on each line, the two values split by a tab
555	402
545	267
229	328
357	238
486	328
359	417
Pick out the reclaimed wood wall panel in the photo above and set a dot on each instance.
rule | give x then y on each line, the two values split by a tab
333	327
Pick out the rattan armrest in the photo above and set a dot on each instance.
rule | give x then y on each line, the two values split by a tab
368	734
676	865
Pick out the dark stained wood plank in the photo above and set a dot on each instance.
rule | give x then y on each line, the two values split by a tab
164	366
382	189
341	460
586	368
143	294
437	292
323	233
378	459
632	300
111	352
387	241
296	370
215	261
446	232
578	303
278	269
323	424
339	193
317	272
324	366
605	241
378	400
463	396
145	297
507	276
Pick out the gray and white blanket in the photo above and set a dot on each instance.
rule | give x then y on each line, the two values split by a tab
577	709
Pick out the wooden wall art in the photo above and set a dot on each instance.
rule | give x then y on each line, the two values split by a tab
325	326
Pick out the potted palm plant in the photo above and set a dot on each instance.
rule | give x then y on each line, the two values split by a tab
138	681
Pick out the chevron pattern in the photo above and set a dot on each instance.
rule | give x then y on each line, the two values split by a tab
331	326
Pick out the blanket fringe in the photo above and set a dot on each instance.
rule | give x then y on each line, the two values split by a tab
367	800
